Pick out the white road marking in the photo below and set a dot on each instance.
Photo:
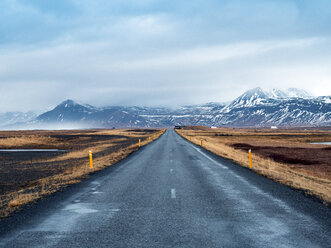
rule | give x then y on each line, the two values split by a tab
171	170
173	193
220	165
257	190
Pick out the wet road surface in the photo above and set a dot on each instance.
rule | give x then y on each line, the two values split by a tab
172	194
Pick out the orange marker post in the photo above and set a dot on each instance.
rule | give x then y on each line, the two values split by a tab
91	159
250	158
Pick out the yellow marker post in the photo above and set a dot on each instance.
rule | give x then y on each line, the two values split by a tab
139	143
91	159
149	139
201	143
190	139
250	158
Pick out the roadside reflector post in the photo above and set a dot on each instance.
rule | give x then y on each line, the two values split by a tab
91	159
201	143
139	143
149	139
250	158
190	138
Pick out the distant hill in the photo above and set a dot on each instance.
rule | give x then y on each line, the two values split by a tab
123	116
13	118
258	108
254	108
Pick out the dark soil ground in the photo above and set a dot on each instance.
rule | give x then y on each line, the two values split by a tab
315	160
21	170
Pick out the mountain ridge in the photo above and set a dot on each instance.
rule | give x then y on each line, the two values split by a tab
253	108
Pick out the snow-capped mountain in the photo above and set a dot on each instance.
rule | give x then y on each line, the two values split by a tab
127	116
250	98
254	108
286	112
293	107
293	92
277	93
67	111
289	93
71	112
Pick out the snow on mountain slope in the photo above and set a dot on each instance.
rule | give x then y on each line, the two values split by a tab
67	111
277	93
299	93
293	107
289	93
251	97
287	112
254	108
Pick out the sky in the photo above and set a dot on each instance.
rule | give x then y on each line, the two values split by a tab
159	52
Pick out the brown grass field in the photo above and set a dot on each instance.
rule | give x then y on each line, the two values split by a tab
27	176
285	156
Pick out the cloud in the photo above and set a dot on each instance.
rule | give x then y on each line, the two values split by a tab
159	52
97	73
210	54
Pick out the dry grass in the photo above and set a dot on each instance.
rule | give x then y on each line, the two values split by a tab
24	141
308	179
21	199
74	164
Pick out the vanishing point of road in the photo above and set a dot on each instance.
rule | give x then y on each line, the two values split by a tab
172	193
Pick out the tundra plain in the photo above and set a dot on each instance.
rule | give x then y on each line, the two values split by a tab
30	175
283	155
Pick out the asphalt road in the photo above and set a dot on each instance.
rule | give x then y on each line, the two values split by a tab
172	194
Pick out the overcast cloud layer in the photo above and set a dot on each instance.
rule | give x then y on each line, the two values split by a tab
144	52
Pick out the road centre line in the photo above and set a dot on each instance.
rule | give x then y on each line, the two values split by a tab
173	193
